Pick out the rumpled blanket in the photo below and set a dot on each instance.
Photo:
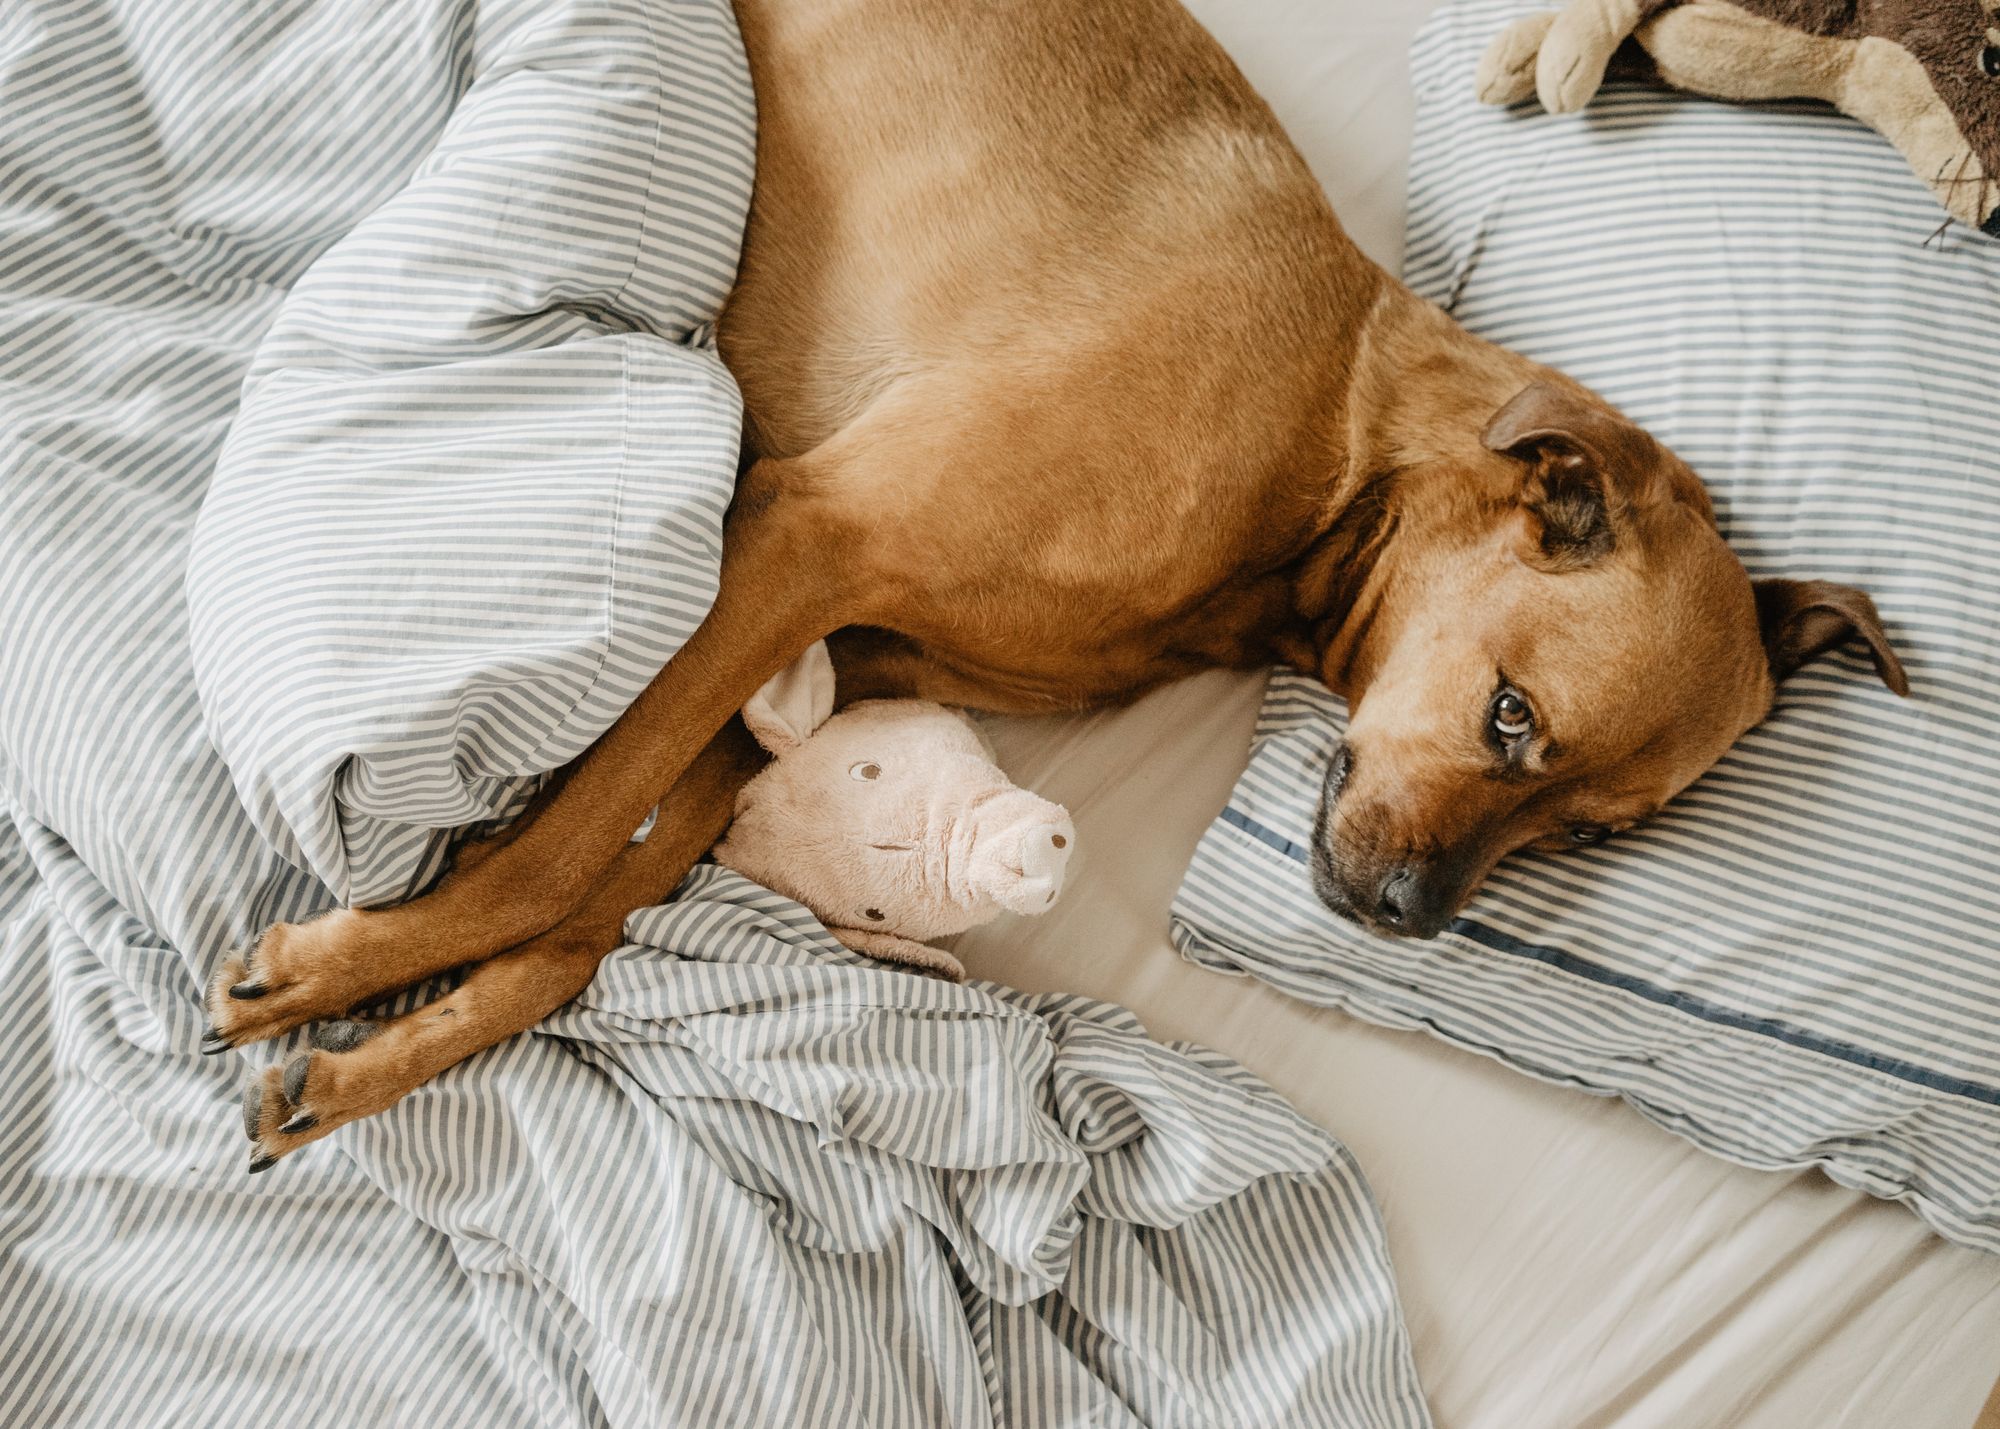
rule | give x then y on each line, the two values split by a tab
362	453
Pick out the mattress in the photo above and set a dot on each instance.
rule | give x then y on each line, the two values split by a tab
1562	1262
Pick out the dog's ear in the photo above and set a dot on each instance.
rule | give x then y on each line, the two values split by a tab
1801	619
1586	466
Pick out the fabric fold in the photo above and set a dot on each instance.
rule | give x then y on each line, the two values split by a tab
472	501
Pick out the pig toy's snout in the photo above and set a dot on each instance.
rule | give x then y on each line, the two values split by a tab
1025	849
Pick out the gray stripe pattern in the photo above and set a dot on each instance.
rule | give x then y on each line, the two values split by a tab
1798	963
361	453
472	502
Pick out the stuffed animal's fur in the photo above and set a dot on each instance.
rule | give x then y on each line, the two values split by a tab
889	820
1925	73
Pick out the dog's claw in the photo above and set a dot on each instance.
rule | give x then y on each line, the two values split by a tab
260	1162
248	991
304	1121
296	1072
253	1109
213	1042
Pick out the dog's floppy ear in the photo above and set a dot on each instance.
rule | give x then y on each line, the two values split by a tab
794	702
1801	619
1586	465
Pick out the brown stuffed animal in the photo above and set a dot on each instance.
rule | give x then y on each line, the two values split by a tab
1924	73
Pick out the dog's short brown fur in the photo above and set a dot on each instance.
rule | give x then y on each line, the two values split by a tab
1064	382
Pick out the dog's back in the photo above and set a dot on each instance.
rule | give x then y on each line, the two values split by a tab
1016	180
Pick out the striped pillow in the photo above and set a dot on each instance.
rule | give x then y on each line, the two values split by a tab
1796	964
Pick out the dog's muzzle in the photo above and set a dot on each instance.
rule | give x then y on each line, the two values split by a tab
1400	898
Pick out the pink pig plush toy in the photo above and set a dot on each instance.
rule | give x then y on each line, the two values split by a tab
889	820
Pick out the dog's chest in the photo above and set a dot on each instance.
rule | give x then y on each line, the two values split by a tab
1085	644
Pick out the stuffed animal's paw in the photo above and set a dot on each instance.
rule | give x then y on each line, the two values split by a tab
889	948
1506	72
1564	54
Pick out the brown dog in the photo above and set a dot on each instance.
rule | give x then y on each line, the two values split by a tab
1064	382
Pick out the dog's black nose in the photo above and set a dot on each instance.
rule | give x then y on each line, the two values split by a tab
1397	899
1992	224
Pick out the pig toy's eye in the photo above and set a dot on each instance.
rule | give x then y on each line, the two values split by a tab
1989	60
866	770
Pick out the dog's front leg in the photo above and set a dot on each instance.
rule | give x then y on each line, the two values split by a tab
788	571
356	1068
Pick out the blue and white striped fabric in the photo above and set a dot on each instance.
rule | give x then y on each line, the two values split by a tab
1797	964
457	258
473	501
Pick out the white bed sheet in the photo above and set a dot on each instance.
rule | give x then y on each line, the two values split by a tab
1563	1263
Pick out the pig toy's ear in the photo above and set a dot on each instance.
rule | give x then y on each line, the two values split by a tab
979	733
794	702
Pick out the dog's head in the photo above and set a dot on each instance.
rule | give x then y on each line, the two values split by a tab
1549	662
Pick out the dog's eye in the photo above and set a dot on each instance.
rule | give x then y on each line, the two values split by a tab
873	915
866	770
1584	835
1989	60
1511	719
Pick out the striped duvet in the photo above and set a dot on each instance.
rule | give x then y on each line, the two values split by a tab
1797	963
362	452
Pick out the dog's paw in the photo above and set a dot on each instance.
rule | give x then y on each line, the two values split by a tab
318	1089
1506	73
290	976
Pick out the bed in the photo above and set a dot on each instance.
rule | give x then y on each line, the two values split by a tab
287	361
1671	1288
1560	1261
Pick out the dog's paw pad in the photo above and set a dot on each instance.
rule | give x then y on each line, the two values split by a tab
344	1035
